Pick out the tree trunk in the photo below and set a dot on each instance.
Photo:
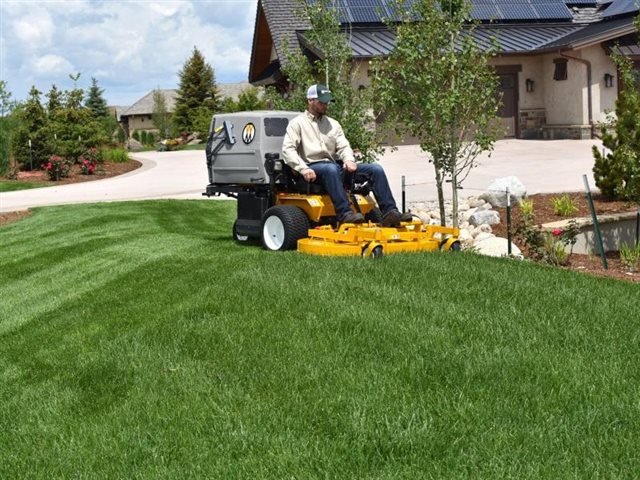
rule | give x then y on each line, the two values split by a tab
439	180
454	196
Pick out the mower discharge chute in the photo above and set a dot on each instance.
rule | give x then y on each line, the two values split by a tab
276	205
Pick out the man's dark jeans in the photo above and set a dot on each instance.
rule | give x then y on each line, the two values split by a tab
330	177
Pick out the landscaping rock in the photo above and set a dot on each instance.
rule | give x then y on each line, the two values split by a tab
496	247
489	217
496	191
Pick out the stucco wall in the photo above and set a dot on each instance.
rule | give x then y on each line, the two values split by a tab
604	98
140	122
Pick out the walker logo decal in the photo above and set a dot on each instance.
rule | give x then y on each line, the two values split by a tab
248	133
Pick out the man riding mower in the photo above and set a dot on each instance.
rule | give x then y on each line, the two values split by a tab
278	207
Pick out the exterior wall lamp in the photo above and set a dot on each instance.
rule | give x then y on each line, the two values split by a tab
529	85
608	80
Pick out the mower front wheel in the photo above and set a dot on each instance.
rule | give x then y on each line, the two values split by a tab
283	226
236	236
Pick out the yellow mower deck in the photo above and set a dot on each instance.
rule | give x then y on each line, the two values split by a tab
370	239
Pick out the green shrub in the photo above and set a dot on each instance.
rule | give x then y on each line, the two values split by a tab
115	155
144	137
151	138
564	205
630	256
136	135
121	135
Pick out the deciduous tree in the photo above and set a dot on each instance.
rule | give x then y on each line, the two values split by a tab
437	86
161	116
333	67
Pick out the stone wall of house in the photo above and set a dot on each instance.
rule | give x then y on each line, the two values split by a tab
532	121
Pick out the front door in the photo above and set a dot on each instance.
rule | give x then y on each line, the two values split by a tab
508	110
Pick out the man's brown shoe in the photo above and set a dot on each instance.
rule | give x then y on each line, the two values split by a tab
352	217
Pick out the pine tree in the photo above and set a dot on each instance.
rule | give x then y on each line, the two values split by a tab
197	92
95	101
32	123
55	99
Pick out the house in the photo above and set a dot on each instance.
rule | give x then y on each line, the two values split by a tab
139	115
557	77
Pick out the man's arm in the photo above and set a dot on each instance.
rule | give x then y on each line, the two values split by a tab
344	151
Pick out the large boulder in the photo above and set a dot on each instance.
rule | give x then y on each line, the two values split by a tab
496	247
482	217
496	191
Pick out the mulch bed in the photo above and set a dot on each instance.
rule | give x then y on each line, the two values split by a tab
590	264
106	170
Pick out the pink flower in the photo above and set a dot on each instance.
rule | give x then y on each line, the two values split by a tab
557	232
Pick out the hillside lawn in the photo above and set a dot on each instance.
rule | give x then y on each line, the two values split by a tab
137	340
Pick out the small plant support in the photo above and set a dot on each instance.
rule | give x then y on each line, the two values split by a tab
596	226
508	222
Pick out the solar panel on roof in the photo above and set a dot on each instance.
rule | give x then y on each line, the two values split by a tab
485	12
550	11
377	11
620	7
518	12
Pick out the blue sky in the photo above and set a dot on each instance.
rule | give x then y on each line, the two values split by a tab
129	46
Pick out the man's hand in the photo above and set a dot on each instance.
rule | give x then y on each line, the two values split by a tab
350	166
309	175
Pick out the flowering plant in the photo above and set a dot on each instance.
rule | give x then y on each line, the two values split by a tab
88	166
57	167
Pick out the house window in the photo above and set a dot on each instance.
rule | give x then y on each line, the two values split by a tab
560	72
149	117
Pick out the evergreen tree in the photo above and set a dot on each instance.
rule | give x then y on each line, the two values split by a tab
197	92
75	128
7	124
32	123
55	99
95	101
617	174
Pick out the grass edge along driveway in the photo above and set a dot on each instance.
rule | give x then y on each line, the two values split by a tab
137	340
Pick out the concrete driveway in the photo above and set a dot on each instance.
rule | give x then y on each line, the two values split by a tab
542	166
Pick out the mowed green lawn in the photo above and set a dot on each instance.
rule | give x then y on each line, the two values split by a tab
138	341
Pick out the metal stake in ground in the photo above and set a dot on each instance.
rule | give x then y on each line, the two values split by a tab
508	222
596	226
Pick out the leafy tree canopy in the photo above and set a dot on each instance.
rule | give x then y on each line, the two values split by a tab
438	87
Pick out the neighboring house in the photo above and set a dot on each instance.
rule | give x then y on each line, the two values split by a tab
139	115
556	74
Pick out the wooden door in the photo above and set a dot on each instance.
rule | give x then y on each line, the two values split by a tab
508	111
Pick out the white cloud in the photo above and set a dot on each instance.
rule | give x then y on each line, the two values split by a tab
130	47
34	30
49	65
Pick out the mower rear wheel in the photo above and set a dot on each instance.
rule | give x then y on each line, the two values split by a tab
283	226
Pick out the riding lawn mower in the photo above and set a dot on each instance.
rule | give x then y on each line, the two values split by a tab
276	206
